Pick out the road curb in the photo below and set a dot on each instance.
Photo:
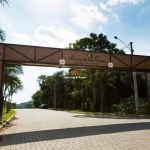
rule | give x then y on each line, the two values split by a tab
7	121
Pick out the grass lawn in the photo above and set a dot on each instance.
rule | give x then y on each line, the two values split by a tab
93	113
6	116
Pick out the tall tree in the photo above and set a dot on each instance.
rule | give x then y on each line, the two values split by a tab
12	82
46	84
2	38
37	98
95	43
10	72
15	84
74	94
104	79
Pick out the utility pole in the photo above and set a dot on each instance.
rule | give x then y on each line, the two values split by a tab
134	79
55	96
135	86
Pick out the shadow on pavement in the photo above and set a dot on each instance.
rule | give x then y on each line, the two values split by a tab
110	116
45	135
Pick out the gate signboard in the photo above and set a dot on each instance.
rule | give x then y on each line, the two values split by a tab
85	59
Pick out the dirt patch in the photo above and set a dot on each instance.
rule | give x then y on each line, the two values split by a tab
15	118
7	125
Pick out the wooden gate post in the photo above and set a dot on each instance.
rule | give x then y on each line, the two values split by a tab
1	88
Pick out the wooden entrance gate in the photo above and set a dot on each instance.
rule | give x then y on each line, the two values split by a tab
50	57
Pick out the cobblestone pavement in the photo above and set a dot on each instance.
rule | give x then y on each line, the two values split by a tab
40	129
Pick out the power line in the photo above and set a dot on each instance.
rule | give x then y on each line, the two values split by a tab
142	51
127	46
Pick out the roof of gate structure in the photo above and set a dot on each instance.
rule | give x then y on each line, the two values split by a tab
45	56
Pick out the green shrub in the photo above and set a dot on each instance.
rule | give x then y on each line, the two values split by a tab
115	108
144	109
127	106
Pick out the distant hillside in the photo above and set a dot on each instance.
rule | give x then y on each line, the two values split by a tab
22	105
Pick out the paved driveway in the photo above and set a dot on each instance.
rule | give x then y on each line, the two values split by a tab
39	129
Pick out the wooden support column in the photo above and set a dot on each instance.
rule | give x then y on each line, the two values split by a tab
1	80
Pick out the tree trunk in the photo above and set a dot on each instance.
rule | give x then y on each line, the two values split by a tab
7	107
93	89
64	105
94	97
82	104
1	104
73	103
102	98
9	103
4	105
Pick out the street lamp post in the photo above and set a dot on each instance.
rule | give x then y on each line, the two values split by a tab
134	79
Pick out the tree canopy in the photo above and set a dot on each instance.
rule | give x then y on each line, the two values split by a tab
95	43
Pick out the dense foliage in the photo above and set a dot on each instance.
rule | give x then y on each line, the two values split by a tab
99	90
76	93
127	106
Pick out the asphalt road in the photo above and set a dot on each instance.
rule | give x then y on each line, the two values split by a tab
40	129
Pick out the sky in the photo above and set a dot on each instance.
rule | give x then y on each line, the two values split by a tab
60	22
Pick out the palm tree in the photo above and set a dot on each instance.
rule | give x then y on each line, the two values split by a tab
12	83
2	35
13	70
2	39
15	85
2	2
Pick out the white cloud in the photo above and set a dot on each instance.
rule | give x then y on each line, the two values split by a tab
100	28
46	36
117	19
2	18
104	7
115	2
21	38
47	4
85	15
55	37
108	6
